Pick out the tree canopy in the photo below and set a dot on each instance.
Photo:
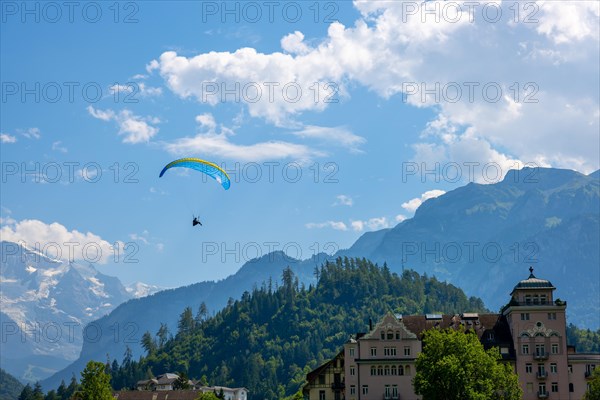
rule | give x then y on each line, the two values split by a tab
454	366
593	392
95	382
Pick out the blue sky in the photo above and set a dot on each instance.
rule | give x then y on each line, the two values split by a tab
147	82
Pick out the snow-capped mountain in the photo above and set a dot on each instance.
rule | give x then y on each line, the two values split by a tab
139	289
44	306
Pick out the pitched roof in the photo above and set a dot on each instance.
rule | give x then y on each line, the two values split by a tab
317	371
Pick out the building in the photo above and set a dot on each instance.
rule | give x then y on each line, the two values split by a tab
326	382
530	333
166	381
228	393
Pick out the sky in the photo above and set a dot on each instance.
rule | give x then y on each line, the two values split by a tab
332	119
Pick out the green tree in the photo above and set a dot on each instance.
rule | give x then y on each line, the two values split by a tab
95	383
594	391
26	393
38	393
207	396
454	366
182	382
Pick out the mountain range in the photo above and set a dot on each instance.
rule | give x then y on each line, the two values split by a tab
481	238
44	305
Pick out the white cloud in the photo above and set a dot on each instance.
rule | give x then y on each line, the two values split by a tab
569	21
219	143
6	138
132	90
372	224
553	62
343	200
400	218
59	242
57	146
413	204
294	43
31	133
134	128
337	225
337	135
357	225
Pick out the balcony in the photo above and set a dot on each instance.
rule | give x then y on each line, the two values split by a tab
541	375
541	356
588	374
337	386
542	395
391	397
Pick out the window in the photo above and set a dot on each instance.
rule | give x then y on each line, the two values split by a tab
321	395
394	391
551	315
528	368
365	389
380	370
382	335
524	316
373	370
388	392
571	388
553	368
373	351
397	335
543	299
351	351
400	370
390	335
525	349
386	370
389	351
504	350
529	387
570	368
554	387
394	371
321	379
407	370
406	350
352	389
527	299
542	388
352	370
554	348
540	350
541	370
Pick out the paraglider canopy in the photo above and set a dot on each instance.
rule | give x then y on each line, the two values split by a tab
210	169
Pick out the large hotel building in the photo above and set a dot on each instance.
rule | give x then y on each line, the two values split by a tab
530	334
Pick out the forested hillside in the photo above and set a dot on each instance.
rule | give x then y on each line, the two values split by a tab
273	336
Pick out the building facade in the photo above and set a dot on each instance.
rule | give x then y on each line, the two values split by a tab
530	333
326	382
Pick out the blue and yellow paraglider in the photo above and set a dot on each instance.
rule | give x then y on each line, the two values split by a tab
210	169
206	167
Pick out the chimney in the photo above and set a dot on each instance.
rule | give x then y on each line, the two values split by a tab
370	324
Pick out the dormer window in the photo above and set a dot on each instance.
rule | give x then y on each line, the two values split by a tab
390	335
527	299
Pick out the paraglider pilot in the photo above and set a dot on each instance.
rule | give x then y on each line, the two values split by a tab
196	221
